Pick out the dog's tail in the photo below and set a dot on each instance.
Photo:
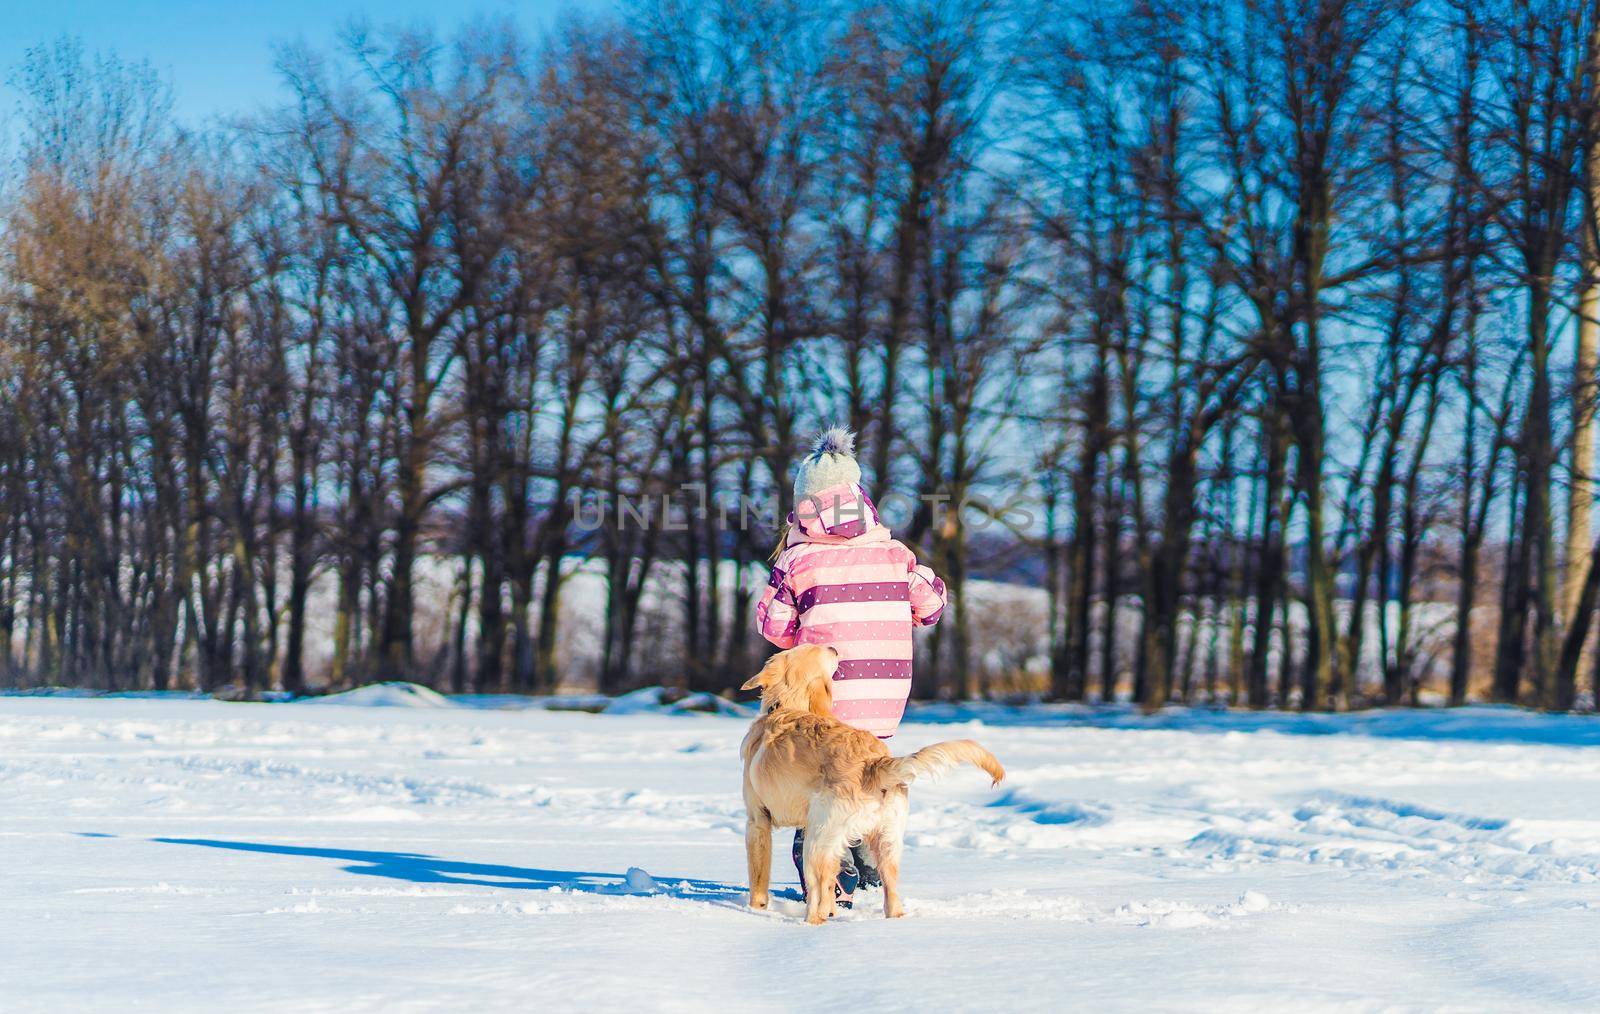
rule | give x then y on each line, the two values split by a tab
935	760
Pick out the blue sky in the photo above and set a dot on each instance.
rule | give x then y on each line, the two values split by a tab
218	54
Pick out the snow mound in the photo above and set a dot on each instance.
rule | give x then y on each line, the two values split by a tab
1253	901
386	695
635	881
88	692
667	700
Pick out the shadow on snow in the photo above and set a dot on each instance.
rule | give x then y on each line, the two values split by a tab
423	869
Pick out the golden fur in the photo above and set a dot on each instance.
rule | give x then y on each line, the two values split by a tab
805	768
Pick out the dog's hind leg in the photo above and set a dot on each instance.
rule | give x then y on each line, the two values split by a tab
758	855
821	860
822	870
886	844
888	856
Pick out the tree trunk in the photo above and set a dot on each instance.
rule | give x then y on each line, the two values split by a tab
1580	494
1269	569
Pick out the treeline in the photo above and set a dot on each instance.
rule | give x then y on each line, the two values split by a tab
1261	321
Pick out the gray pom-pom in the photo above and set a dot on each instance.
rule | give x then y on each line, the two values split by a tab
836	440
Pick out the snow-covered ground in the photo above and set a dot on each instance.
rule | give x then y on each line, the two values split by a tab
173	854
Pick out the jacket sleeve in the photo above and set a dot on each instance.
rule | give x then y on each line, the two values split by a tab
776	616
927	596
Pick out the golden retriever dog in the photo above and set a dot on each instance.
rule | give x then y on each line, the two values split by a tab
805	768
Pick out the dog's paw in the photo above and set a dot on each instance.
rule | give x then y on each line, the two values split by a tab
893	911
759	904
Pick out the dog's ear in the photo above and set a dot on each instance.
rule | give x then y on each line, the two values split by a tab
819	696
763	679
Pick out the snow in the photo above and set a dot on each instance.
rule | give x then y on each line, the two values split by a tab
385	695
659	699
644	701
182	854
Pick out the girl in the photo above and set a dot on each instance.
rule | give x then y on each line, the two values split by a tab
839	578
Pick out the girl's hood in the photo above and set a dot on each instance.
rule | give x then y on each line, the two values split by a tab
842	513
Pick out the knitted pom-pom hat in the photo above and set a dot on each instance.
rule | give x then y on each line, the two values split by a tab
832	461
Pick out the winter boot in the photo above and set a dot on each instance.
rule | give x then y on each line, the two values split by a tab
849	878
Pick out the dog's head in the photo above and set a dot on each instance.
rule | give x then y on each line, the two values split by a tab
800	678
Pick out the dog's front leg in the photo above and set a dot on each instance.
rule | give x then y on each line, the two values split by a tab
758	856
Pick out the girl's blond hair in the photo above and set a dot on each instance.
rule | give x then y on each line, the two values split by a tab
783	540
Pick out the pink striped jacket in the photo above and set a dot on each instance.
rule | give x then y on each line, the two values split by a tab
843	581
